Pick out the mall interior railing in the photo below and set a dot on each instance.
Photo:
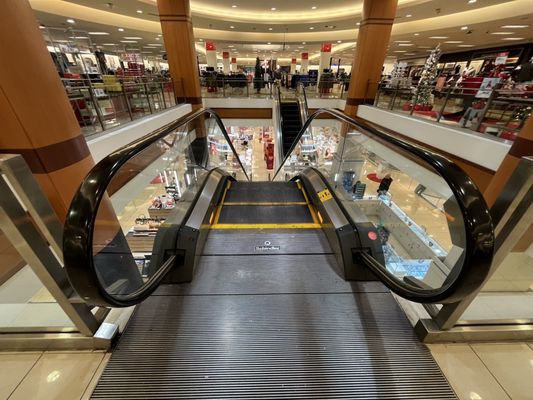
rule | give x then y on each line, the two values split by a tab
499	112
113	101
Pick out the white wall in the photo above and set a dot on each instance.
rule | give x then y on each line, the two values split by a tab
476	147
116	138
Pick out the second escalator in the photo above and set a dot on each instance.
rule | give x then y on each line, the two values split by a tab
291	123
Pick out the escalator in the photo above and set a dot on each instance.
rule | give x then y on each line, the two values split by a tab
278	289
291	123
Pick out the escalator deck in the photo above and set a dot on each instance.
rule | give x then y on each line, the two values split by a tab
272	321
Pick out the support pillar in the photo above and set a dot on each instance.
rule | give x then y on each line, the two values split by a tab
370	52
226	62
325	55
293	66
211	54
176	24
36	118
233	64
522	146
305	64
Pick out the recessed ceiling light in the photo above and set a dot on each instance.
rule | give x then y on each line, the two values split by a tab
464	28
157	38
408	15
145	52
454	41
128	41
417	34
108	44
98	33
273	9
78	37
513	38
231	45
201	40
501	33
300	47
71	21
339	41
121	29
465	45
358	24
139	11
270	29
311	27
471	1
232	27
42	27
515	26
268	43
160	35
234	6
314	8
400	51
304	42
402	41
155	44
405	44
424	47
133	37
438	37
410	54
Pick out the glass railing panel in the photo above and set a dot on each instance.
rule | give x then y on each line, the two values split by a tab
154	186
421	225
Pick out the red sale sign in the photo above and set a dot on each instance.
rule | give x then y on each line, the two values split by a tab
326	48
234	60
210	46
305	56
225	55
293	61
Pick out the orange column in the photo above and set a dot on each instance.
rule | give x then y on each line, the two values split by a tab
522	146
370	52
36	118
176	23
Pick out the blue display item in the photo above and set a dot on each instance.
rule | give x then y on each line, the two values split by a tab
347	180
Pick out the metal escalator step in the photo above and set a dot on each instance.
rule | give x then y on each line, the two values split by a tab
306	346
264	192
265	214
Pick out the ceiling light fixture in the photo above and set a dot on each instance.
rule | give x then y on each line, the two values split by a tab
273	9
234	6
270	29
454	41
268	43
465	45
128	41
358	24
513	38
402	41
139	11
133	37
232	27
417	34
121	29
405	44
304	42
400	51
515	26
108	44
314	8
408	15
339	41
98	33
78	37
438	37
71	21
501	33
471	1
311	27
464	28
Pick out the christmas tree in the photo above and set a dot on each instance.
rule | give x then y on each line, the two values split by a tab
422	95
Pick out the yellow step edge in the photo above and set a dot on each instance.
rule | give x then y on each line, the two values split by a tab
273	203
267	226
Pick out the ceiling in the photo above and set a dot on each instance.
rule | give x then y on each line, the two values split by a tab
282	34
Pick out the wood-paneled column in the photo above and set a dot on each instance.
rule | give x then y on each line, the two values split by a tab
176	23
36	118
370	52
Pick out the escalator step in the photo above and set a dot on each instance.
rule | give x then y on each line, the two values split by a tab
265	214
264	192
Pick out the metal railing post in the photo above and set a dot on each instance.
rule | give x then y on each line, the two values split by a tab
148	97
444	105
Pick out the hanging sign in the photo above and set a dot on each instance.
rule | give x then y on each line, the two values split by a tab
293	61
210	46
326	48
225	55
234	60
305	56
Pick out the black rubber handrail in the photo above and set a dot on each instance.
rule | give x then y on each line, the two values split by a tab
479	230
81	217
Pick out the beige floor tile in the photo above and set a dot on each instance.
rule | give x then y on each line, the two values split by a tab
466	373
13	369
59	376
511	365
96	377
